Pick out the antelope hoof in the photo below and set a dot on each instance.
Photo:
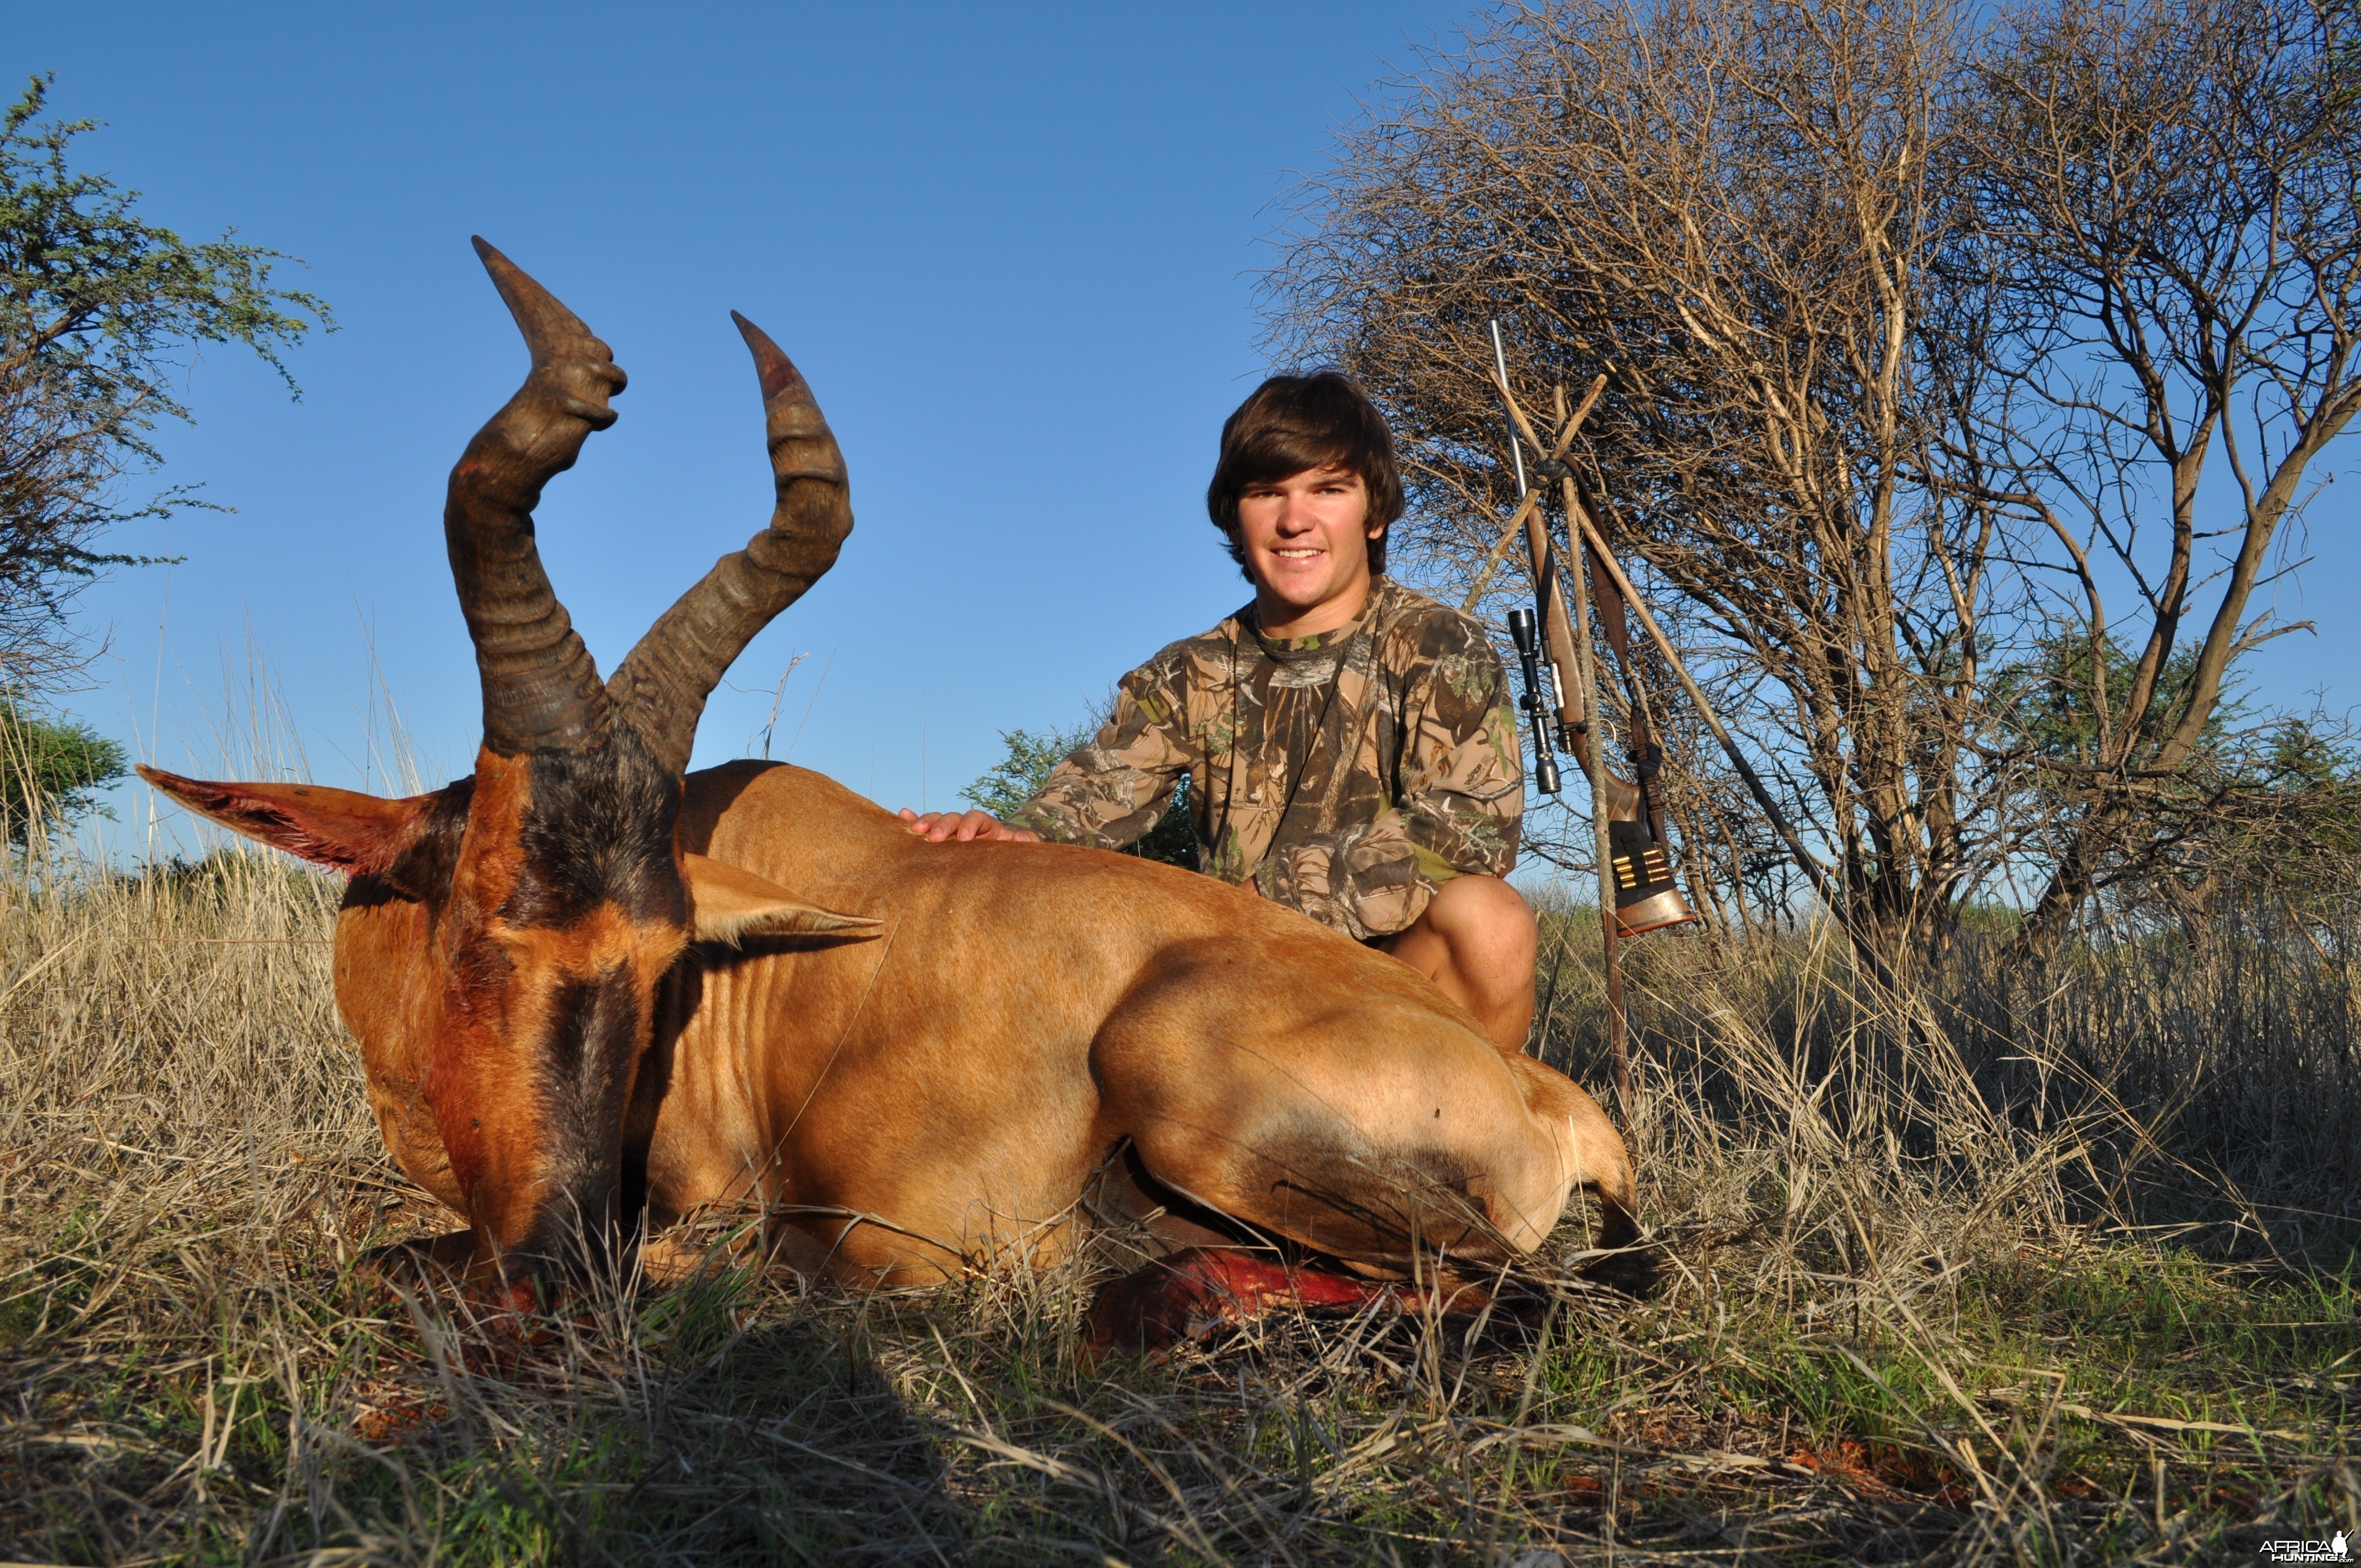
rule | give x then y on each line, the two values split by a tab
1633	1269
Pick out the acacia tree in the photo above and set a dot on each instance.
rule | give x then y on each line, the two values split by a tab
2165	241
94	302
1730	208
51	771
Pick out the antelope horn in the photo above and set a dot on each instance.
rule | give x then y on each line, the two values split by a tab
661	688
541	688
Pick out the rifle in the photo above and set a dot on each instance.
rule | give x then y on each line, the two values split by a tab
1550	653
1643	895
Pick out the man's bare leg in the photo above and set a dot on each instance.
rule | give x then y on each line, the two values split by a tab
1476	940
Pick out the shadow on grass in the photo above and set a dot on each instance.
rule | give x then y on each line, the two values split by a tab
655	1430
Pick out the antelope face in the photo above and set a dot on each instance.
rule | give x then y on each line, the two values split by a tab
553	895
567	905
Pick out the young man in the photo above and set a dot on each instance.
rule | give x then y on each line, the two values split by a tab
1350	745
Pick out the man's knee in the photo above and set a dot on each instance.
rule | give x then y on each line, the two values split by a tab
1475	939
1486	922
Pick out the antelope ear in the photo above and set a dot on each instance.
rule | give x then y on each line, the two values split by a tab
340	828
728	904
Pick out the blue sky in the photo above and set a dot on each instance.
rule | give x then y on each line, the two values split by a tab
1014	250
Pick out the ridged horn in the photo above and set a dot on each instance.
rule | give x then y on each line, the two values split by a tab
541	687
661	688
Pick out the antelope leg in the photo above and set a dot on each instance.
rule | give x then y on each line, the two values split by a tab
1370	1124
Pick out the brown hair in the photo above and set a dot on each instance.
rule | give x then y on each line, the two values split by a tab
1293	423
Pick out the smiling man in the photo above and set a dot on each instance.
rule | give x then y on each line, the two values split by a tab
1349	744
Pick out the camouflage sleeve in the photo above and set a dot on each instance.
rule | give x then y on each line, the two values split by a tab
1110	791
1463	796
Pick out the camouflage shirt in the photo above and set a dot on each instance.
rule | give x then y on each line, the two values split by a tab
1350	774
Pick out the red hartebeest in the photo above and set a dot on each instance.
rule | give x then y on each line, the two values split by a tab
595	993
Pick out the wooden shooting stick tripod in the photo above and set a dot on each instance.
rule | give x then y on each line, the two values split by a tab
1571	647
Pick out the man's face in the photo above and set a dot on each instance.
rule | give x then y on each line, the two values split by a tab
1306	543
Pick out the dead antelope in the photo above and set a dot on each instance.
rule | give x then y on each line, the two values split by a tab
594	995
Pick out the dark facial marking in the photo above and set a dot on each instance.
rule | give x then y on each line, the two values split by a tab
599	830
592	1038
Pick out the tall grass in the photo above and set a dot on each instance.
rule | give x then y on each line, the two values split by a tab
2139	1081
2032	1268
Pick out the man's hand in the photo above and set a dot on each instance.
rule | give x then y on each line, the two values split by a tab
939	827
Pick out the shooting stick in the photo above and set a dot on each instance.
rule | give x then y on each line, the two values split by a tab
1594	765
1570	649
1578	520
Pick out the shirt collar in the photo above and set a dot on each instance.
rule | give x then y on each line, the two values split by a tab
1286	648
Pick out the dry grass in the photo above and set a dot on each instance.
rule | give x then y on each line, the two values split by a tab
1911	1315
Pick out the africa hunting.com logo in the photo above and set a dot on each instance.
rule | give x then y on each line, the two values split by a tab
2335	1548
